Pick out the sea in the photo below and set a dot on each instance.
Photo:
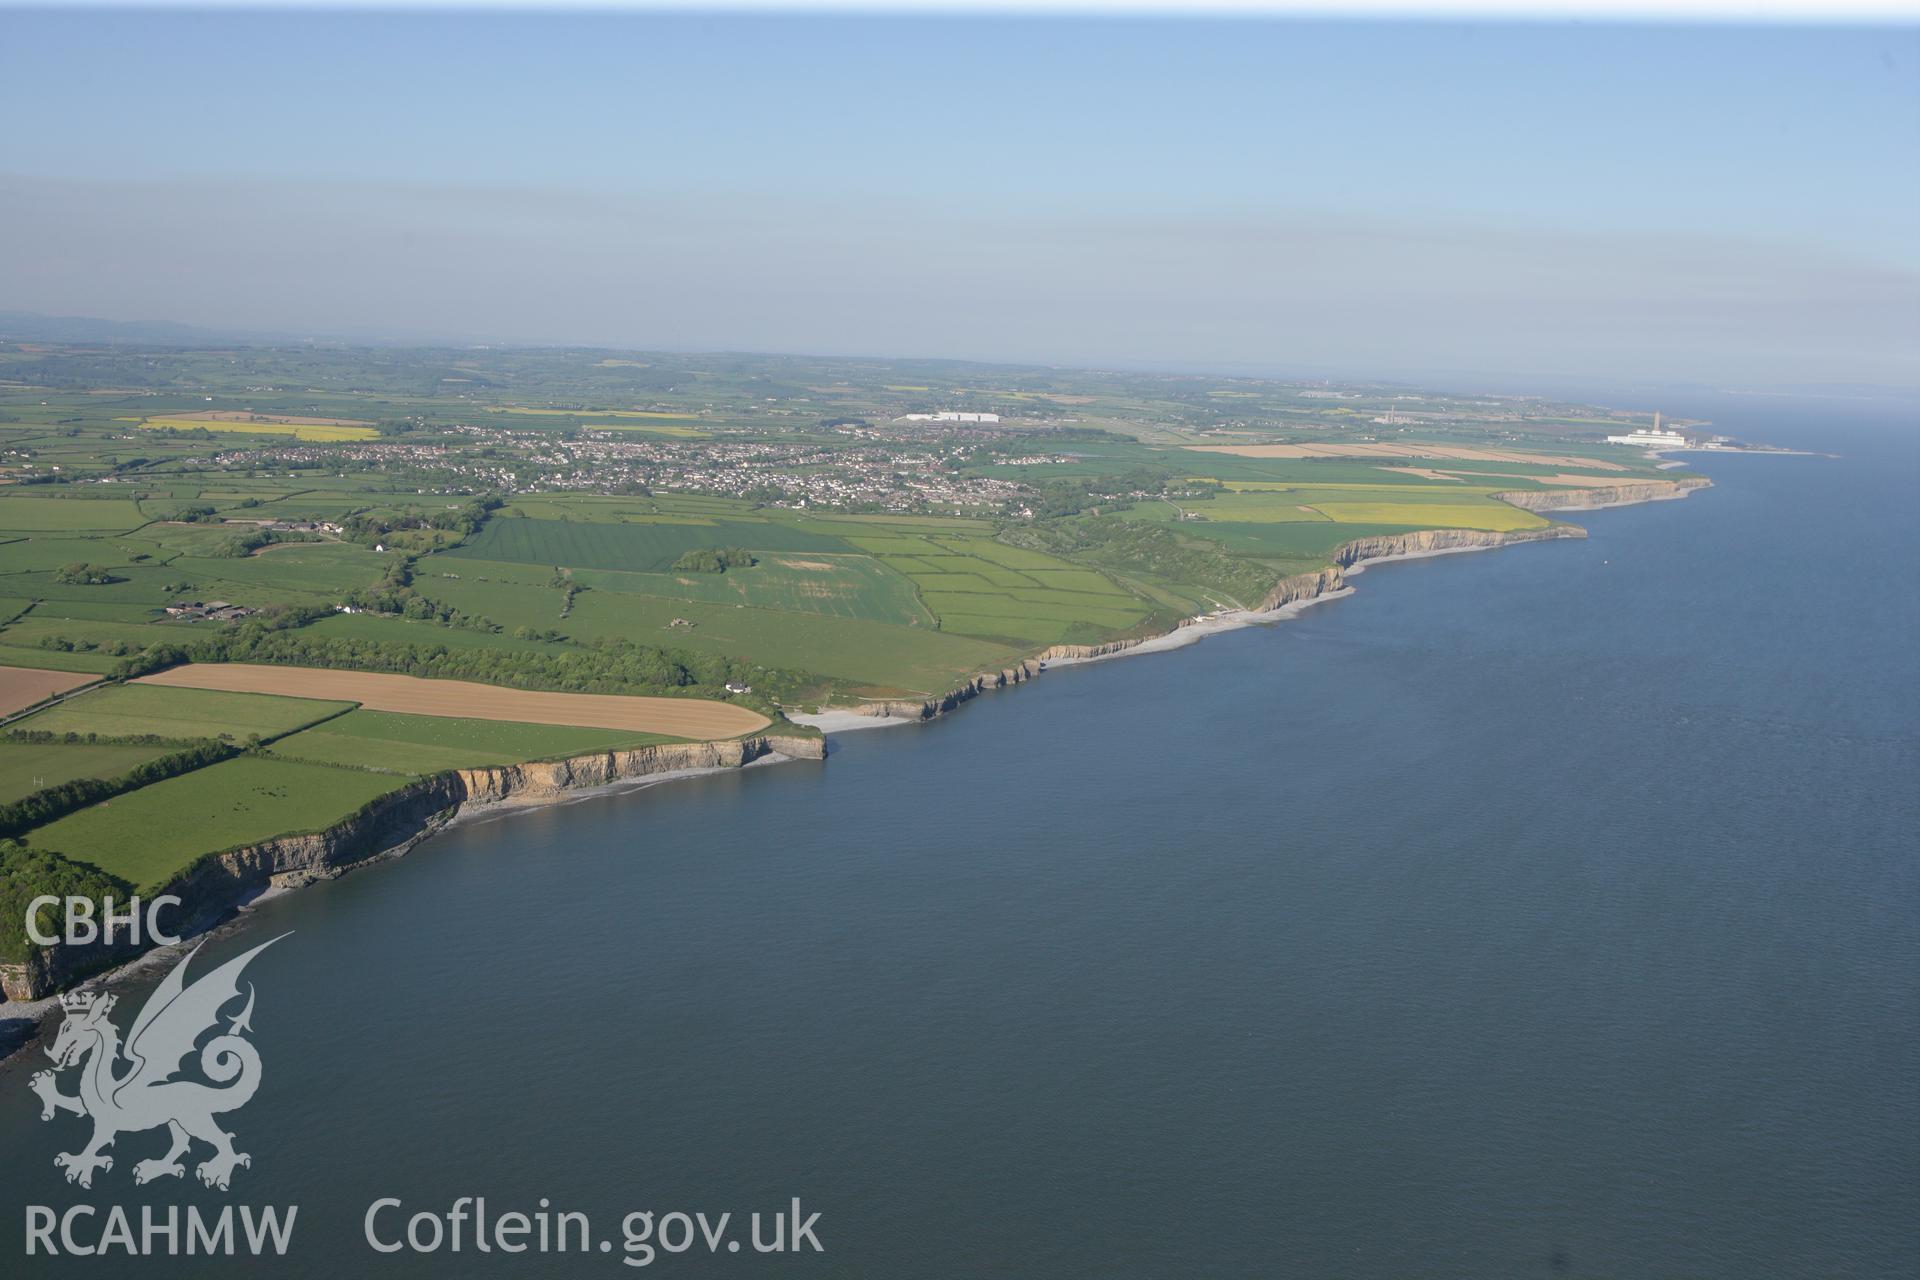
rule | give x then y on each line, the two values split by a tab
1550	912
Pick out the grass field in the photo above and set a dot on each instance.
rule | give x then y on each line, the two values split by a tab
1234	518
875	655
34	515
146	836
320	568
27	767
841	586
408	744
54	660
976	586
141	708
640	547
50	551
380	691
1291	547
1496	516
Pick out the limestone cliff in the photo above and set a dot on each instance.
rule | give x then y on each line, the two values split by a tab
1618	495
547	780
1293	589
927	709
1425	542
387	827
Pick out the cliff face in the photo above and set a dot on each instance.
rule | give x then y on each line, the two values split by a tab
1426	542
1293	589
1620	495
1300	587
534	783
388	827
907	709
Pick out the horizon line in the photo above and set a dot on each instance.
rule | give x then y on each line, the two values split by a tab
1902	13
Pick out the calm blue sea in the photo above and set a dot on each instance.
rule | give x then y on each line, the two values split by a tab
1551	912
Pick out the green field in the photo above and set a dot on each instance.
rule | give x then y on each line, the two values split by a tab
640	547
409	744
1433	515
976	586
27	767
135	709
146	836
44	552
530	537
320	568
54	660
841	586
36	514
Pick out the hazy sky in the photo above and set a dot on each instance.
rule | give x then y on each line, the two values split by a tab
1593	201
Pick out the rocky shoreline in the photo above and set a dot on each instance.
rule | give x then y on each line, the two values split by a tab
1287	597
1621	495
216	885
220	883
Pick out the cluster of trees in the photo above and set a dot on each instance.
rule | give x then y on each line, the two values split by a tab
464	521
61	644
213	646
714	560
47	737
245	544
25	874
1114	491
394	594
84	575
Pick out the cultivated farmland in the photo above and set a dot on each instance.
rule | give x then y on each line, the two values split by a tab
27	767
310	430
21	687
678	717
597	545
143	708
33	515
410	744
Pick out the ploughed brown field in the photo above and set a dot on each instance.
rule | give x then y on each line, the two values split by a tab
23	686
464	699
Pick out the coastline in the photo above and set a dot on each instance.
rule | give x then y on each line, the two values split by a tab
1213	624
1352	559
233	880
1289	597
218	890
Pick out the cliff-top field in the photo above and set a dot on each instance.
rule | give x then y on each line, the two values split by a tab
383	691
413	744
147	835
181	714
308	576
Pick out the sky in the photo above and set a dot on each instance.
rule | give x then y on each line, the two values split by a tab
1715	204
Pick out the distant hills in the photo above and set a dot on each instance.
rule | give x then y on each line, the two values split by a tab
34	326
